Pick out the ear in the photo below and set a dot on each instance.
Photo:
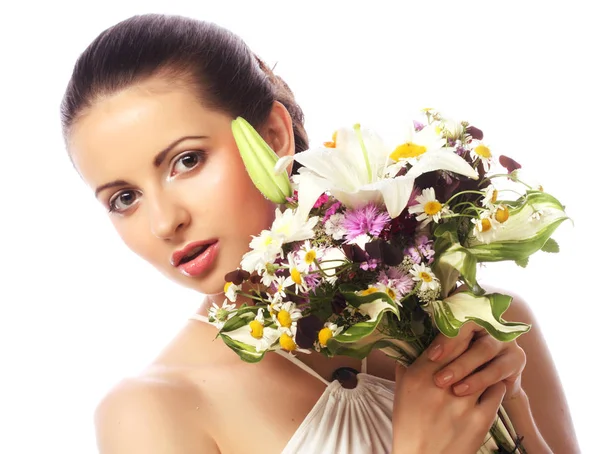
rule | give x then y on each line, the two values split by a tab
278	131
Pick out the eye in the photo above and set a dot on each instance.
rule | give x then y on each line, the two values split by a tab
122	201
187	161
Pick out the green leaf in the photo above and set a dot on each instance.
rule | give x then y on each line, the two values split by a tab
456	261
246	352
454	311
522	262
550	246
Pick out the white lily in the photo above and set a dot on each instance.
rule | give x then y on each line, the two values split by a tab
354	172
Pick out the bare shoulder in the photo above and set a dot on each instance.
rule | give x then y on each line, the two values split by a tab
541	380
153	415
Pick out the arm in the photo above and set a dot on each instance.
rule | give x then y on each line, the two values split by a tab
542	408
152	417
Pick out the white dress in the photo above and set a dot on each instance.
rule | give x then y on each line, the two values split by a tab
345	421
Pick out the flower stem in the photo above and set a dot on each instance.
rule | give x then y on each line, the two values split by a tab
364	151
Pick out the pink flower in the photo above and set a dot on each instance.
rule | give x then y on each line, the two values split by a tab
368	220
322	200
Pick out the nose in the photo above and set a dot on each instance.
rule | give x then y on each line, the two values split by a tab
167	217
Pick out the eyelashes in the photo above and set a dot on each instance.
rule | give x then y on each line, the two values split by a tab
183	163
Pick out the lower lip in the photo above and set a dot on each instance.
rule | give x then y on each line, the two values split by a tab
201	263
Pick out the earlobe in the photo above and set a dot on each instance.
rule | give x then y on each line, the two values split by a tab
279	131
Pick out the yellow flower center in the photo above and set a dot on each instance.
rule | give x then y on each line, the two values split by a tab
287	343
390	293
483	151
226	286
426	277
494	196
368	291
407	150
296	276
256	329
485	225
284	318
502	214
324	335
432	207
310	256
438	130
333	142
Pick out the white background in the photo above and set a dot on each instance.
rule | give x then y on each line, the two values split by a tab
78	311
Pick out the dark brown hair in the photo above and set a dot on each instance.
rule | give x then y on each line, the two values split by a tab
225	73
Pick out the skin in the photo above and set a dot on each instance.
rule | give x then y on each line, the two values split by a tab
191	394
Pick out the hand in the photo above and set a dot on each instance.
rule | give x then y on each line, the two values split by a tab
428	419
475	361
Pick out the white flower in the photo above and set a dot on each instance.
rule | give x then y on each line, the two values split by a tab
290	226
265	249
355	172
485	227
286	315
231	291
287	340
360	240
334	226
308	256
423	275
217	316
429	208
327	332
280	285
452	129
296	277
333	258
490	197
481	151
417	143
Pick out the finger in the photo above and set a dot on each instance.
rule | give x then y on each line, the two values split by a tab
501	368
483	350
490	401
444	347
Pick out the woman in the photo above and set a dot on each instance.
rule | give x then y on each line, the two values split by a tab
147	122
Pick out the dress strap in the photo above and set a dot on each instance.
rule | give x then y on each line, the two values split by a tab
199	317
363	366
301	365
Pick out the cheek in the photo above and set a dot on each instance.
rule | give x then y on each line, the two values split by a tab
134	232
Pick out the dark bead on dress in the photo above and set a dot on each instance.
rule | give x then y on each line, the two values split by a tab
347	376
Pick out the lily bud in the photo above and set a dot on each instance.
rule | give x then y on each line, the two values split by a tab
260	159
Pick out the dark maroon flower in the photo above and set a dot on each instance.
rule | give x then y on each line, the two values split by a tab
338	303
237	276
474	132
308	330
509	164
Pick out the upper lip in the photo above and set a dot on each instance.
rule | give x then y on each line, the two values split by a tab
180	254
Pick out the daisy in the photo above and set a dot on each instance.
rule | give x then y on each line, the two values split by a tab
482	152
428	207
485	227
286	315
422	274
287	340
231	291
308	257
327	332
266	247
219	315
296	277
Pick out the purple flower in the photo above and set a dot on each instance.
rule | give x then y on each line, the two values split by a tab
418	125
396	279
413	253
368	219
331	210
425	247
312	280
370	264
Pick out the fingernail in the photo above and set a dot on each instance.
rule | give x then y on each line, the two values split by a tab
445	377
435	352
461	389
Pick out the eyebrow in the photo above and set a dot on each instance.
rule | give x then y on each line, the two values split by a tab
158	160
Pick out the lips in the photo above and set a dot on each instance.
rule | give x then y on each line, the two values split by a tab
190	252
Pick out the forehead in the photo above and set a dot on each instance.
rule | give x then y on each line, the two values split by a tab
120	132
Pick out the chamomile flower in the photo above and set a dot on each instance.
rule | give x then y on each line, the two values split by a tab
489	197
296	277
428	207
217	316
231	291
286	314
287	340
278	284
327	332
290	226
485	227
423	275
482	152
308	257
265	336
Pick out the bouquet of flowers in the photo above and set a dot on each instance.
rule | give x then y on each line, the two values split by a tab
370	243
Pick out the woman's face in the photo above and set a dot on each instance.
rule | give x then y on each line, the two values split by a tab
170	176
